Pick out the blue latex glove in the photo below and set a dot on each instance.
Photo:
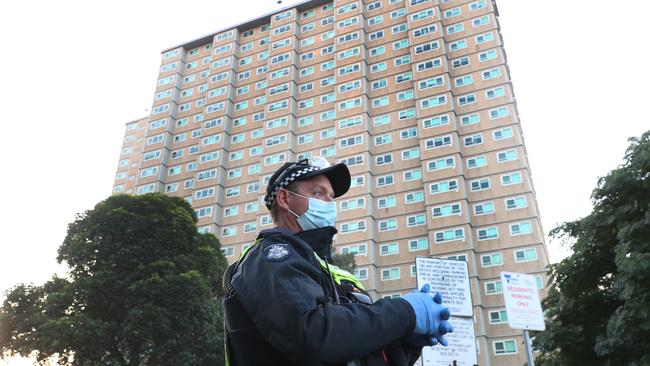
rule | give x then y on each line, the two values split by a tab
431	318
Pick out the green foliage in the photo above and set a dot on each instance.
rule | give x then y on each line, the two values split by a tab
142	290
598	308
344	261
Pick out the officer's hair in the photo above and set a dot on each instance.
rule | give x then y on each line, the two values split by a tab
274	207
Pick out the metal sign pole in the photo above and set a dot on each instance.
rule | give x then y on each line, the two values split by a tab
529	349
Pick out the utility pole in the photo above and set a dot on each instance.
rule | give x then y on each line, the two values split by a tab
529	349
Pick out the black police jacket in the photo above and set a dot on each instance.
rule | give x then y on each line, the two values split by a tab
288	299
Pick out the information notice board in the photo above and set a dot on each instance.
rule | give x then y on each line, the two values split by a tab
451	279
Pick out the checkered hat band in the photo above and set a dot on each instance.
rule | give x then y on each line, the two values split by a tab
288	180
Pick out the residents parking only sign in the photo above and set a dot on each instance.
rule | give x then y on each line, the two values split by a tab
522	301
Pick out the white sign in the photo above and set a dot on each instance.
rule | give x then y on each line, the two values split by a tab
462	346
522	301
451	278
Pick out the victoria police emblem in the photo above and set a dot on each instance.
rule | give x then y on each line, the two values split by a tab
276	252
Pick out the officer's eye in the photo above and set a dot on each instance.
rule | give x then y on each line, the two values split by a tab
318	194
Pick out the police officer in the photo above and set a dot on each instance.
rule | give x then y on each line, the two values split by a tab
286	304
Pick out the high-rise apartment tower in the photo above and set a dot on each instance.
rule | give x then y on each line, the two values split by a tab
414	96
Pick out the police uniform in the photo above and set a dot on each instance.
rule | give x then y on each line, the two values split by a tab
286	305
281	309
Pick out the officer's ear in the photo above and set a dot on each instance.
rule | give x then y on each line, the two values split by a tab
282	199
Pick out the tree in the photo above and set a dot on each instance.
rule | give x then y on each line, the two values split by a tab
344	261
141	290
598	307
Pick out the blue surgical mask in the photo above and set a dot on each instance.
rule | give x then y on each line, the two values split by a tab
319	213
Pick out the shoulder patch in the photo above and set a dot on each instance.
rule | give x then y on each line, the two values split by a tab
276	252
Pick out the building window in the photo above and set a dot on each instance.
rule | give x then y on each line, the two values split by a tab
504	347
390	274
492	259
488	55
203	193
476	162
505	156
460	62
525	255
231	211
387	225
203	212
358	249
416	220
426	47
361	274
434	101
489	233
431	83
377	51
265	220
459	257
509	179
251	207
228	251
493	287
438	142
170	188
253	187
413	197
435	121
430	64
353	204
429	29
429	13
498	317
350	227
388	249
449	235
384	180
495	93
502	134
402	78
444	163
229	231
418	244
516	203
386	202
383	159
445	186
453	209
473	140
413	174
466	99
483	208
357	181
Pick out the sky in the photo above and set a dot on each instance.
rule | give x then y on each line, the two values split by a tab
76	71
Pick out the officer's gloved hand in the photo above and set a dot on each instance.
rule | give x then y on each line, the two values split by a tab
431	318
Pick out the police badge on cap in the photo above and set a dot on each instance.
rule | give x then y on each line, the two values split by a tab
338	175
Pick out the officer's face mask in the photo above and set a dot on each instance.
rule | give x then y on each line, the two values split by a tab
319	213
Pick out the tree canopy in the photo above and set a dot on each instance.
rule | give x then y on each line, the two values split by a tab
598	307
141	290
344	261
